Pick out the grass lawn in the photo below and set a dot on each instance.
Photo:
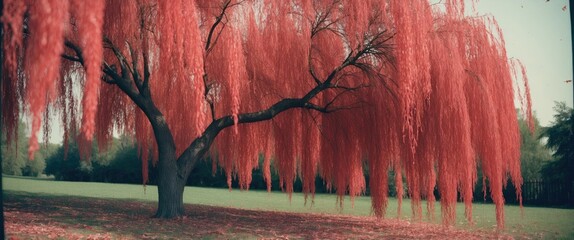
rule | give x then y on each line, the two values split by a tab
22	194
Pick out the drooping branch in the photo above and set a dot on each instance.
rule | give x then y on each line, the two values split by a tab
210	44
142	85
124	64
145	86
106	69
218	19
144	29
201	145
146	104
77	50
135	75
324	21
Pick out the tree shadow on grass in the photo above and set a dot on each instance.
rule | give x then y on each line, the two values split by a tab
130	219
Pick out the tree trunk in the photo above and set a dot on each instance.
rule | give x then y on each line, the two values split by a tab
170	189
172	171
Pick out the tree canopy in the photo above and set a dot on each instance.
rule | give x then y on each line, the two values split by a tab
533	152
15	161
391	84
560	139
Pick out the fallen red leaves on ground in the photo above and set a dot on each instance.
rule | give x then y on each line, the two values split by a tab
34	217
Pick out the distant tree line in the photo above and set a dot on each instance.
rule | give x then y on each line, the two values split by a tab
121	164
15	155
547	155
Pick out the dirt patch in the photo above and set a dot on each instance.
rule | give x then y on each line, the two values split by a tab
55	217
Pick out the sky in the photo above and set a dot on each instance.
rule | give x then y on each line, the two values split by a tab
537	32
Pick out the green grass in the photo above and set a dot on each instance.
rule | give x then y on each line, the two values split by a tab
547	222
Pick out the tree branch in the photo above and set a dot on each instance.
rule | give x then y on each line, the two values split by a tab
125	66
106	69
145	86
210	44
322	21
144	90
110	71
135	75
77	50
375	45
218	19
312	71
73	59
162	133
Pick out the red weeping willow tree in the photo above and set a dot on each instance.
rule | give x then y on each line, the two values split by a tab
335	88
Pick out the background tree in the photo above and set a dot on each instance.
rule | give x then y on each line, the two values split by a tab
120	164
533	152
16	162
395	84
560	136
533	156
65	164
14	154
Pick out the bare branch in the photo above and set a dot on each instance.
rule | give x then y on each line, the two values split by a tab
110	74
79	56
72	58
312	71
111	71
124	64
221	21
323	20
218	19
144	89
135	74
145	85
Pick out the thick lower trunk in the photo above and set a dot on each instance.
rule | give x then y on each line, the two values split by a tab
170	203
170	190
172	172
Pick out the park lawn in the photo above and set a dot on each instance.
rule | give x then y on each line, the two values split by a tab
536	222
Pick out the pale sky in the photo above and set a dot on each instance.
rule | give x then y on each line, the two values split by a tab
538	33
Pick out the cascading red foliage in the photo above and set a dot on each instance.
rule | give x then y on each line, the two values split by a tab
89	19
177	85
43	50
412	23
12	18
528	110
439	104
